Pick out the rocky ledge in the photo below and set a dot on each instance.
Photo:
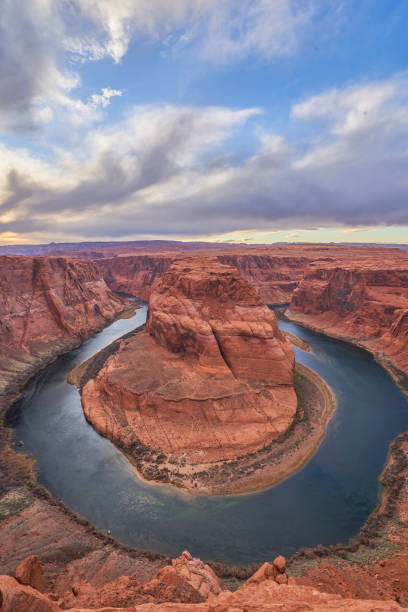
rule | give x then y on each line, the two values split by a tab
186	585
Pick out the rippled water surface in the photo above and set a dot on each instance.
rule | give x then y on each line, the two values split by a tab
326	502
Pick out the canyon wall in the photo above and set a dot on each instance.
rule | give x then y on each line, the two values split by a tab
273	271
364	302
211	377
274	276
47	306
133	274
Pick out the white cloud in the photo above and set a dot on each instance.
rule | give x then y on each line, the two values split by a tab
221	31
156	154
167	170
37	87
103	99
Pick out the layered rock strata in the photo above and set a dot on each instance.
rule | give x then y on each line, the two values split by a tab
364	302
273	271
47	306
134	274
210	379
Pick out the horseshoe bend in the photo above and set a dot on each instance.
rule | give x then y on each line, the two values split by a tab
205	395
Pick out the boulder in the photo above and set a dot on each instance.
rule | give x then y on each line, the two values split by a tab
30	572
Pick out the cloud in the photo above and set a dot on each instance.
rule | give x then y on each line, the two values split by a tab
36	85
166	170
43	44
219	32
157	152
223	33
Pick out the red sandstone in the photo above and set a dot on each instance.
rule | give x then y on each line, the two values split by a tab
187	583
364	302
275	271
210	379
360	298
47	306
30	572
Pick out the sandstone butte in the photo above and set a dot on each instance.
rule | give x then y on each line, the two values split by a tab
364	302
210	378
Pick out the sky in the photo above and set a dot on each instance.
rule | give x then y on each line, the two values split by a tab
256	121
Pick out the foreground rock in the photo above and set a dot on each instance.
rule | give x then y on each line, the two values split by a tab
185	580
189	585
364	302
30	572
211	378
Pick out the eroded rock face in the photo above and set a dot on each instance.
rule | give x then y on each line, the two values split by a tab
186	580
209	315
134	274
265	594
47	306
274	271
31	573
365	302
16	597
210	379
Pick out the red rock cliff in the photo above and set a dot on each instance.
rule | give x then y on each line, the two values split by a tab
208	313
210	379
274	271
47	306
365	302
133	274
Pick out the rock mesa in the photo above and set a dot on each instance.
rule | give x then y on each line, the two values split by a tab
210	378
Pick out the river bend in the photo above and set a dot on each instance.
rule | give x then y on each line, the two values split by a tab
325	502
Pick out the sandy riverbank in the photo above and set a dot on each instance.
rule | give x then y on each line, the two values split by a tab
297	341
277	461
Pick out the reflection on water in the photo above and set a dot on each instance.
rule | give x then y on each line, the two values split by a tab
325	502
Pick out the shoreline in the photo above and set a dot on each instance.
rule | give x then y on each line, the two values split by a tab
392	370
296	341
264	468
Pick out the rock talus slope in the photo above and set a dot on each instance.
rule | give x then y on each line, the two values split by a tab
211	377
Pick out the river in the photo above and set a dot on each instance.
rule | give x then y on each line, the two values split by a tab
326	502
